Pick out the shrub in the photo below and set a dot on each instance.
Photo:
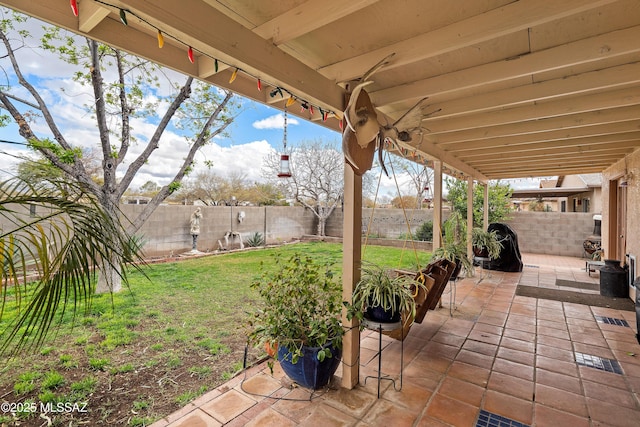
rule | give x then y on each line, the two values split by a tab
255	240
425	232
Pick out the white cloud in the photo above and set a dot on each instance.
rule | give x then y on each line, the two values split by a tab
274	122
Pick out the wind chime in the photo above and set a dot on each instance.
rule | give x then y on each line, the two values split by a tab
285	170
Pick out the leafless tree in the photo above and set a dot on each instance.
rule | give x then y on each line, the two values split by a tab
123	88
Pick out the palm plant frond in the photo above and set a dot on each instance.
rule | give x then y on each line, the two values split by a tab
54	237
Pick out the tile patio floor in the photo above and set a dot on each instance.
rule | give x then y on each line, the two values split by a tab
499	359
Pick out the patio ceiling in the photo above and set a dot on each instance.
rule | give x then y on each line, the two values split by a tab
515	88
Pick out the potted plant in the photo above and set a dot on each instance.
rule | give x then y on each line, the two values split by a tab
302	305
485	243
454	245
383	296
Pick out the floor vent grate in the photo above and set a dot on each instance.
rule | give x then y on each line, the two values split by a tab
488	419
612	321
607	365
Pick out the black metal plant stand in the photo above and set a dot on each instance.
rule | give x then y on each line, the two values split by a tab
379	327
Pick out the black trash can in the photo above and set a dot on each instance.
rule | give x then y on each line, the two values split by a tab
613	279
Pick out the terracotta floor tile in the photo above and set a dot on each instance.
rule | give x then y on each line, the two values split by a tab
520	326
523	310
462	390
439	349
556	353
561	400
271	418
555	365
354	402
528	319
469	373
545	416
557	380
593	350
196	418
511	385
480	347
411	396
609	394
227	406
508	406
630	369
563	344
297	404
385	413
496	321
517	356
514	369
329	416
589	338
553	332
486	327
452	411
427	421
259	385
515	344
483	336
602	377
475	359
519	335
452	340
551	314
612	415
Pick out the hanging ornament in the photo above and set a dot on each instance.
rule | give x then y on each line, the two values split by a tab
324	116
74	7
341	126
233	76
215	65
160	39
290	101
311	109
259	85
123	17
285	169
190	55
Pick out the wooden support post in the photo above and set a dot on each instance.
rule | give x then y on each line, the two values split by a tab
437	205
351	261
485	210
469	217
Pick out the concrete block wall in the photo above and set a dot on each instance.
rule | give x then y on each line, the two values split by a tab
167	231
552	233
386	223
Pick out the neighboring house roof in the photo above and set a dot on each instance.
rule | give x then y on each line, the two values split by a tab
547	192
554	188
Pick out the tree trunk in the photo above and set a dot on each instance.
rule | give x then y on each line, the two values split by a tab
109	276
109	279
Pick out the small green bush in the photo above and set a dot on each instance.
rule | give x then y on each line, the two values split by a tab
425	232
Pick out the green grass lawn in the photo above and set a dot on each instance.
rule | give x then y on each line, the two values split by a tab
160	344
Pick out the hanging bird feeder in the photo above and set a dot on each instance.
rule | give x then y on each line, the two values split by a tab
285	169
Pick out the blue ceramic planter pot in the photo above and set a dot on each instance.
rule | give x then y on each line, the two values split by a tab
309	372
